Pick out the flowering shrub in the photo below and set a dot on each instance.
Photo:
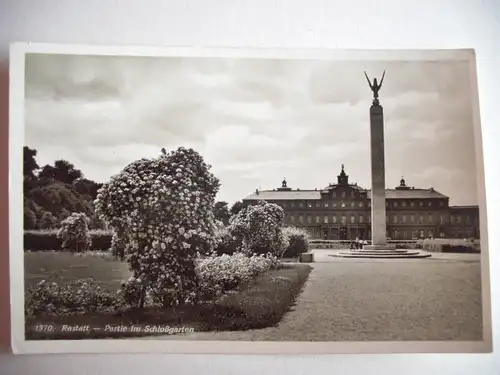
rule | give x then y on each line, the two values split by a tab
218	274
161	210
298	241
226	242
74	232
81	296
259	227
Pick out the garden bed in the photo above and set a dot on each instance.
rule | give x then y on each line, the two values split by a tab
259	304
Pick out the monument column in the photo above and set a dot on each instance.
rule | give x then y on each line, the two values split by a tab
379	225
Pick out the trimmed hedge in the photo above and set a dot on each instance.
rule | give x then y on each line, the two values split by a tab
451	245
344	244
39	240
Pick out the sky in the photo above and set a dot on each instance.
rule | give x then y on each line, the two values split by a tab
255	121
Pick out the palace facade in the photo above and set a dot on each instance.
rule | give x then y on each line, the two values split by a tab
342	211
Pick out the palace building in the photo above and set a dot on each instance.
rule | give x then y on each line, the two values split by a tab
342	211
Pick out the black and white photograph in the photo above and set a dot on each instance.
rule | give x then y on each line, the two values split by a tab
316	197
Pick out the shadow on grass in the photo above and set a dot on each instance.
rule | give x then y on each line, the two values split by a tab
258	304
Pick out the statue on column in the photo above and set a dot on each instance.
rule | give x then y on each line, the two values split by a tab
375	86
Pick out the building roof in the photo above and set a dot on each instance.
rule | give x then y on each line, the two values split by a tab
411	193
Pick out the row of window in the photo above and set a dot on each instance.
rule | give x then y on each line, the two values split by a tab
394	219
395	204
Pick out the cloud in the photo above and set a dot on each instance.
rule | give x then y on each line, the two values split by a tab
254	120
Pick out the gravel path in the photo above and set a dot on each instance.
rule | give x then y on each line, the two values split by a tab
437	298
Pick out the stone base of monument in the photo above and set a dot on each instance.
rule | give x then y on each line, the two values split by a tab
383	251
306	258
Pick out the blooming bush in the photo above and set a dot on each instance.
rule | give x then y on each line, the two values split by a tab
298	241
218	274
161	210
74	232
259	227
81	296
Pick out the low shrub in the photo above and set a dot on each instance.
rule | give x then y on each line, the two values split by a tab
74	232
45	240
79	297
263	302
298	242
219	274
450	245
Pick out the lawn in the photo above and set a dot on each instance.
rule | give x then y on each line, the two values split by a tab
260	303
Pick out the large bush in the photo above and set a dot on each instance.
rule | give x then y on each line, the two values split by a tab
218	274
162	210
74	232
298	241
259	227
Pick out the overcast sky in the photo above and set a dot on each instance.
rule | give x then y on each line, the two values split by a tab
255	120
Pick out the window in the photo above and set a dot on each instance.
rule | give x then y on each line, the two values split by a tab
431	233
422	233
421	204
292	219
334	194
334	219
361	219
343	220
317	219
360	204
429	203
309	219
292	204
334	205
326	220
441	219
412	218
412	204
452	219
342	205
421	219
403	219
301	204
395	204
459	219
353	205
317	204
395	234
430	218
326	205
301	219
395	219
467	219
403	203
309	205
353	219
352	194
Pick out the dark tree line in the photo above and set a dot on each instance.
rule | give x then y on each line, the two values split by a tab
52	192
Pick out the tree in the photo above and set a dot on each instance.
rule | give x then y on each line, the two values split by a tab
161	210
221	212
260	229
30	166
236	207
62	170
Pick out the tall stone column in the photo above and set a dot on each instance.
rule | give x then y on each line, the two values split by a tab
378	175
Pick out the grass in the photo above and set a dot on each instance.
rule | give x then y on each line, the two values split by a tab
262	302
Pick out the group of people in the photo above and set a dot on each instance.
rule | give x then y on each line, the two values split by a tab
358	243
